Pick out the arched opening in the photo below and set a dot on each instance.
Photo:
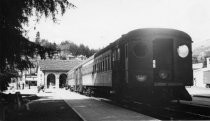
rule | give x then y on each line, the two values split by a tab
62	80
50	81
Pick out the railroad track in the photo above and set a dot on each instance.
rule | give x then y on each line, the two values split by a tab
185	114
193	111
173	111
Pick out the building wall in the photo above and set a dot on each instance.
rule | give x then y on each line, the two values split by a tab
28	78
206	77
208	62
42	77
198	73
198	78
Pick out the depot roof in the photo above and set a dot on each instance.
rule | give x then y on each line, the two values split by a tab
58	65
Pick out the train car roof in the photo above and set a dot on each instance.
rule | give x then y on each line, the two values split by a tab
84	62
134	33
145	31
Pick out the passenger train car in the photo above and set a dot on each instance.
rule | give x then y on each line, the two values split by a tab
148	64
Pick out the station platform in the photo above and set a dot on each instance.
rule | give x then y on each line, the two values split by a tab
200	96
93	110
199	91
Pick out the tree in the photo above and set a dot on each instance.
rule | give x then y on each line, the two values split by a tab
15	49
70	47
37	39
50	48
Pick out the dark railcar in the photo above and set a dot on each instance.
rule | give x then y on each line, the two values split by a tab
157	64
144	64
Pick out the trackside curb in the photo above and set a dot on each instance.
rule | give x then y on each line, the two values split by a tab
203	96
75	110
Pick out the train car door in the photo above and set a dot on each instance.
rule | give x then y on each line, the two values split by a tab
163	60
124	69
116	80
126	62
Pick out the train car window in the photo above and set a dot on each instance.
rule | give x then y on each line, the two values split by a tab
103	65
113	56
126	50
118	54
94	69
139	50
113	59
97	67
100	67
108	63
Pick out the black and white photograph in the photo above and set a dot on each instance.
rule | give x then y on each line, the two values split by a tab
104	60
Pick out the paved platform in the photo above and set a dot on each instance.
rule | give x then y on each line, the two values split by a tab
93	110
200	95
199	92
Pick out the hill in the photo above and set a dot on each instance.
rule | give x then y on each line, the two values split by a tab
201	47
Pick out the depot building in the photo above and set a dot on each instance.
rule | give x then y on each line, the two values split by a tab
53	73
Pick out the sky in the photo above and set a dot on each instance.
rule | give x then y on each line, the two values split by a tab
96	23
